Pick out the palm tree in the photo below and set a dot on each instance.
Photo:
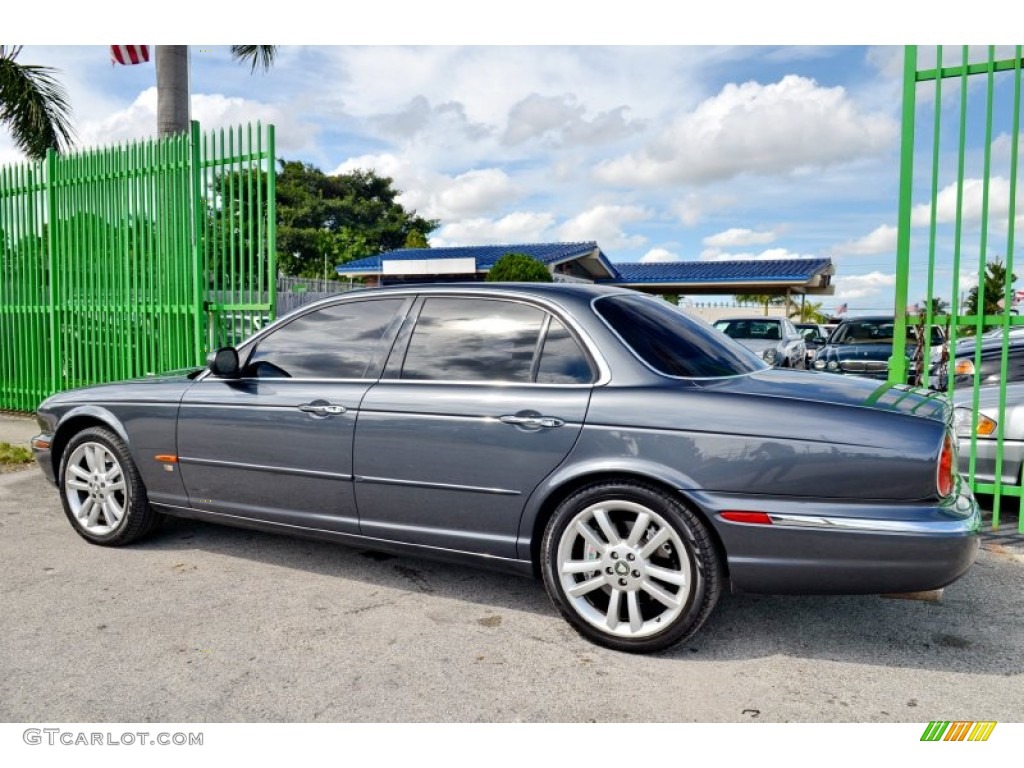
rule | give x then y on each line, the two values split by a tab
808	312
33	106
761	300
172	96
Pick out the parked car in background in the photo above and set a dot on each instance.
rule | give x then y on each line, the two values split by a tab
862	346
986	429
963	363
774	339
636	460
815	337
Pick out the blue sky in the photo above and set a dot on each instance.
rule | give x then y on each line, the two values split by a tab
656	152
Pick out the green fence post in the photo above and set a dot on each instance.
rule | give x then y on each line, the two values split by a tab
898	361
197	230
271	223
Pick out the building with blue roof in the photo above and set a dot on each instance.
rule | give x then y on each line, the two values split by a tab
585	262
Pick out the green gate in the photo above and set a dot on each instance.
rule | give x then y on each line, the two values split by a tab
958	212
133	260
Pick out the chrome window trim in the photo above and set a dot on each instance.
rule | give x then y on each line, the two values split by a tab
603	370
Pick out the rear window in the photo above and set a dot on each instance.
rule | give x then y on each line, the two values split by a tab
672	343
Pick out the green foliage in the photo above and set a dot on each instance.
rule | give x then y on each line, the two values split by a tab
346	216
761	300
518	268
257	56
320	218
14	455
34	106
808	312
994	290
416	239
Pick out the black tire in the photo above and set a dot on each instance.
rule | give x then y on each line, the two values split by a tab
668	556
98	478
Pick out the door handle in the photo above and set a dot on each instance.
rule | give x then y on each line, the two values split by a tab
320	408
532	422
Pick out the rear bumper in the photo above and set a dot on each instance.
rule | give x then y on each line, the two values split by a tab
834	548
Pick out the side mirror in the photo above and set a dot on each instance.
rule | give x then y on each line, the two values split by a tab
223	363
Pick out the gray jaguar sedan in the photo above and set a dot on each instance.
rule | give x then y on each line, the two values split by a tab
635	459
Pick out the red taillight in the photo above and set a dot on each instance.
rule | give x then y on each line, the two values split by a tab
755	518
947	462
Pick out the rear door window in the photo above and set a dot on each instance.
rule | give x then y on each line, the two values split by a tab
672	343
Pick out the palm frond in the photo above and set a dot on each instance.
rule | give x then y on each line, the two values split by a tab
261	56
35	107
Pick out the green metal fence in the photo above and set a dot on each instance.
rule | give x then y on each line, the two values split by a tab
958	212
131	260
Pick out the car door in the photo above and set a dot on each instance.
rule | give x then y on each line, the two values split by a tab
276	444
482	398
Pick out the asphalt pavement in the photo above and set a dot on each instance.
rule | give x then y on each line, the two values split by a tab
209	623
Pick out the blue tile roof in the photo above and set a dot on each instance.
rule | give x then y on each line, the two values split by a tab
691	272
761	270
485	255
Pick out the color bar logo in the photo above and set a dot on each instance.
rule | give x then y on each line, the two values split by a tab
958	730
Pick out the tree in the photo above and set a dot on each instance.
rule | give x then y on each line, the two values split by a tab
995	288
518	268
808	312
762	300
322	220
172	96
416	239
33	106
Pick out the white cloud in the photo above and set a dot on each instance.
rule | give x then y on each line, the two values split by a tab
968	280
604	223
738	238
972	203
658	255
436	195
717	254
849	287
518	227
562	119
694	207
879	240
213	111
474	192
770	129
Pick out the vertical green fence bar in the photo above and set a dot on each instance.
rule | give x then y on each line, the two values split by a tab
898	361
986	123
239	188
126	261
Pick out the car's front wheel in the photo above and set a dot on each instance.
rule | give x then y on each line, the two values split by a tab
630	567
101	490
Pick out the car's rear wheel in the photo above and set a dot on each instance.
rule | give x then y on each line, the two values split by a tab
101	490
630	567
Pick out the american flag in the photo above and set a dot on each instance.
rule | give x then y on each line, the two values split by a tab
841	309
129	54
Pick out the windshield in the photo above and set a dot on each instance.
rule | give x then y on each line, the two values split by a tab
877	332
760	330
672	343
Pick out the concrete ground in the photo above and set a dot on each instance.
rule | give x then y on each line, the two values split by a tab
208	623
17	429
